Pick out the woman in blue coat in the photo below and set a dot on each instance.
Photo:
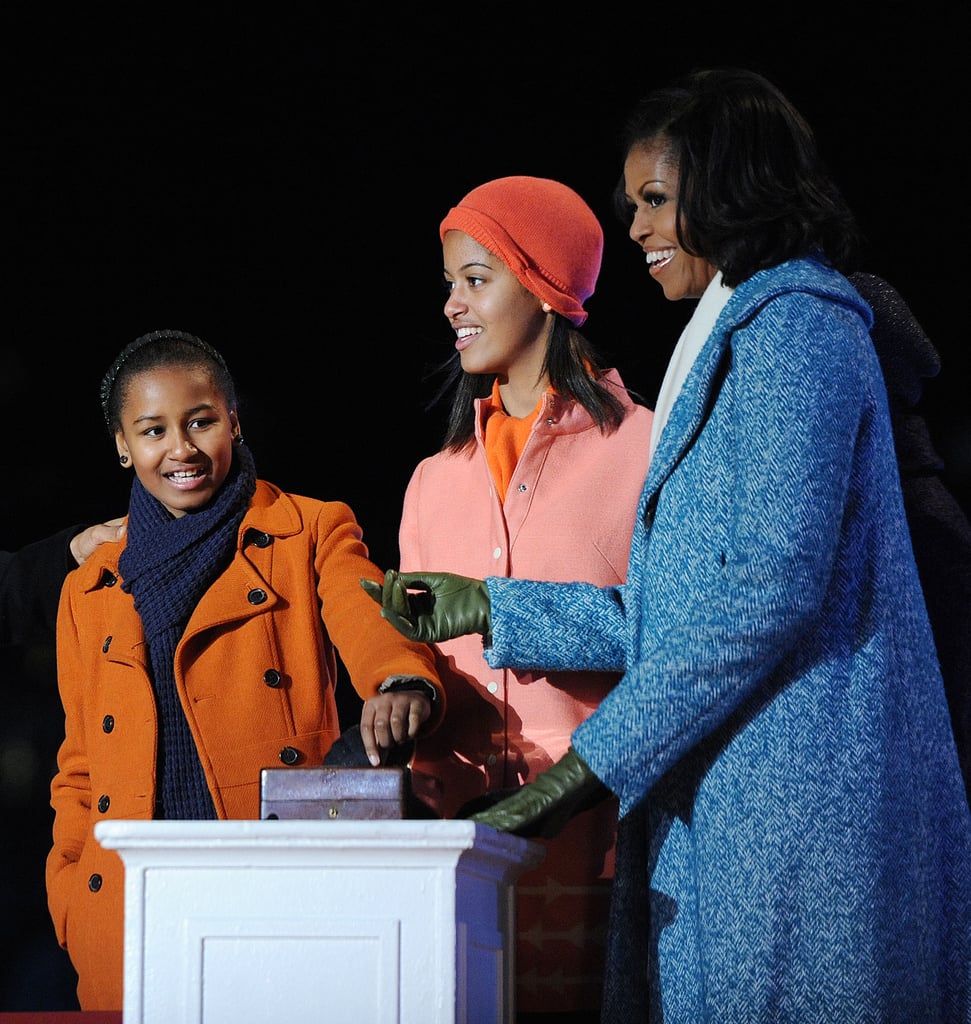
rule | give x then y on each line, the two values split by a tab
780	740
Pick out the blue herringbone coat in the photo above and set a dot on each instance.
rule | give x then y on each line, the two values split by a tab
781	730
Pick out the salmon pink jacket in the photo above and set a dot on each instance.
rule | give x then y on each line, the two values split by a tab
568	515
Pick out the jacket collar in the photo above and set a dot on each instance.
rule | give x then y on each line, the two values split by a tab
558	414
271	511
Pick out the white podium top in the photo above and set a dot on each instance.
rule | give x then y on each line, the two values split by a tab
292	836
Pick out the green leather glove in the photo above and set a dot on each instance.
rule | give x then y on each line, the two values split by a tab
432	606
543	807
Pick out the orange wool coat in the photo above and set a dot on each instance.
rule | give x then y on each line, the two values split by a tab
256	673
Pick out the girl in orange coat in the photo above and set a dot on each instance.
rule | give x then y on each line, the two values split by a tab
203	648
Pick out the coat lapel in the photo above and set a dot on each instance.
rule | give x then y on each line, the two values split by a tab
688	414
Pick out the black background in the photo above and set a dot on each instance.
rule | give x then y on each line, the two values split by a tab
272	177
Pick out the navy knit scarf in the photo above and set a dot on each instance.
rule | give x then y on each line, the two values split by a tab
167	565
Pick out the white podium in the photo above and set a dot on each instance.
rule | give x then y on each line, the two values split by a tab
343	922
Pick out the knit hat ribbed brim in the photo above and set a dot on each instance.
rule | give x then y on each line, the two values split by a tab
544	233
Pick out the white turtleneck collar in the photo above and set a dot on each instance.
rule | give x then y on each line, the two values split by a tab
692	339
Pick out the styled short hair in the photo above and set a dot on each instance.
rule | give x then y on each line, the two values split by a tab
753	189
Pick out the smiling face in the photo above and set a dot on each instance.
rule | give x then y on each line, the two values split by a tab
500	326
651	185
178	431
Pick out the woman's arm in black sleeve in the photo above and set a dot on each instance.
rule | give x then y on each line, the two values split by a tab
30	587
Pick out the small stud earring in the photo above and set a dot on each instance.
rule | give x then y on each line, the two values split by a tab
123	459
238	439
547	308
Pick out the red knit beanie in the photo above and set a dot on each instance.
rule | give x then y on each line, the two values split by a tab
544	233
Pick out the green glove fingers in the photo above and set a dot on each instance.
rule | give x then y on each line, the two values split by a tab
542	808
432	606
395	605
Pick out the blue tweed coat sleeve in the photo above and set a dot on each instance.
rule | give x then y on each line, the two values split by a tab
781	709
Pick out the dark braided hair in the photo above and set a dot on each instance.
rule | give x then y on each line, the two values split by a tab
160	348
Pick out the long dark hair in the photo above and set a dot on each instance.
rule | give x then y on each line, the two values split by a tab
753	189
572	365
